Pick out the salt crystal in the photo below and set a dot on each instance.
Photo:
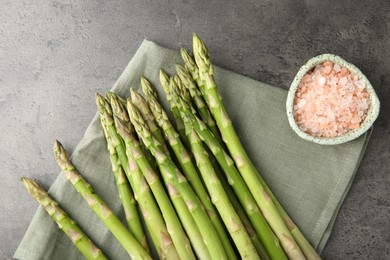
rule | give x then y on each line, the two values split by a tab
327	103
343	81
360	84
301	102
322	81
327	69
336	68
334	80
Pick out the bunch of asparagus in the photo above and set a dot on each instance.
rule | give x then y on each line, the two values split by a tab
197	190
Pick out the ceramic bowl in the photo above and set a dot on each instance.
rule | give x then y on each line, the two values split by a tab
372	112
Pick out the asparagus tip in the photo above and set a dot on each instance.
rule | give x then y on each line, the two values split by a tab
61	156
147	88
101	103
119	109
33	188
163	74
135	96
99	99
123	129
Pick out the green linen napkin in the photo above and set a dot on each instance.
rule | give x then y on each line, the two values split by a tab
310	180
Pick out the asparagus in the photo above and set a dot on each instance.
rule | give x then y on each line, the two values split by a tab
192	68
125	191
184	92
203	158
173	223
131	245
201	106
240	211
270	242
170	170
244	164
184	214
189	170
134	150
180	88
143	195
64	222
148	89
188	81
140	102
221	201
165	82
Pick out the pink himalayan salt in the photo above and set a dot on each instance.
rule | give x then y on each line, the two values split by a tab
330	101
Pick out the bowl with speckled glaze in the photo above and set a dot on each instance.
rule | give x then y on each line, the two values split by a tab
372	112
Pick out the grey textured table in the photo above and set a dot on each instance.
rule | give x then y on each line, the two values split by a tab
54	56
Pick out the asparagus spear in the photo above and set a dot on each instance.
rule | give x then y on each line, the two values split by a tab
221	201
244	164
188	81
132	246
170	170
64	222
144	196
204	113
190	171
240	211
148	89
184	214
179	88
140	102
152	215
191	67
125	191
146	152
201	106
134	150
165	82
270	242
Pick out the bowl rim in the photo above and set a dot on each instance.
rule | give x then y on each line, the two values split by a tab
372	112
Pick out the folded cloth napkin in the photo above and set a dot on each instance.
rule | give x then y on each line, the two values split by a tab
310	180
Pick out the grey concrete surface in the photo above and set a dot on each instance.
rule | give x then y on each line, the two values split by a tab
54	55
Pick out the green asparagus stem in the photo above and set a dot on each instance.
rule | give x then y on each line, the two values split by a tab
64	222
189	171
196	145
201	106
143	195
147	153
180	88
240	211
241	159
221	201
183	212
134	150
165	82
132	246
170	170
125	191
268	239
